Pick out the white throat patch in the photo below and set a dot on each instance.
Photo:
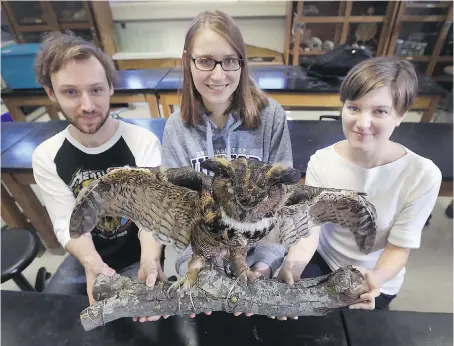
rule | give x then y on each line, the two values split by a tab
246	226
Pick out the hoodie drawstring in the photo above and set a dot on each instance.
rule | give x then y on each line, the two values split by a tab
231	125
210	148
229	155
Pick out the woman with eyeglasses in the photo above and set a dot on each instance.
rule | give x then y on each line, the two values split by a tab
224	114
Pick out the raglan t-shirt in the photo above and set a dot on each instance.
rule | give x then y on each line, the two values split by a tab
62	166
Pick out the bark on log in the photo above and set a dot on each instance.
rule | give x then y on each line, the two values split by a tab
119	296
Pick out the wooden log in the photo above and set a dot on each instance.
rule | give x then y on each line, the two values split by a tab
119	296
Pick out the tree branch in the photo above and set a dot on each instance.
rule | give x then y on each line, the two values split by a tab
120	296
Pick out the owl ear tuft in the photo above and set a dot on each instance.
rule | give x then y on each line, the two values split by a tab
283	174
218	165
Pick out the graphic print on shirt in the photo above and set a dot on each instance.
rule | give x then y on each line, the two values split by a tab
108	227
202	156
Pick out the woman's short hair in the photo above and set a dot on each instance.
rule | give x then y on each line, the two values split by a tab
398	74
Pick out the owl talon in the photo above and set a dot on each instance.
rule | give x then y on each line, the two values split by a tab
181	286
246	277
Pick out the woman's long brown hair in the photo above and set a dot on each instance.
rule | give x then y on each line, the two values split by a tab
247	100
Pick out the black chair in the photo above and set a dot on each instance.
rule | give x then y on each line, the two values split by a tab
19	248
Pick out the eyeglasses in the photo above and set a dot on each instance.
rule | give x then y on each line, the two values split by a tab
209	64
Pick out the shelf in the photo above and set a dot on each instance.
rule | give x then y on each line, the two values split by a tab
427	5
425	58
33	28
339	19
424	19
313	52
64	26
366	19
75	26
319	20
445	59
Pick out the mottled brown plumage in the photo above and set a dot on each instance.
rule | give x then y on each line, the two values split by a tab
222	215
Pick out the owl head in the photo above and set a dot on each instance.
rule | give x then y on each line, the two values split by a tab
249	192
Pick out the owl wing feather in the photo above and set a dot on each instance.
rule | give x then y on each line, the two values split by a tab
310	206
163	201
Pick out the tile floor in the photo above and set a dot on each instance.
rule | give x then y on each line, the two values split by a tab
429	280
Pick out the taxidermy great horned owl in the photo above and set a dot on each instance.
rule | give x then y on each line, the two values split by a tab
221	216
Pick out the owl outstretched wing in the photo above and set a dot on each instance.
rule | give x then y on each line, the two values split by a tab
163	201
310	206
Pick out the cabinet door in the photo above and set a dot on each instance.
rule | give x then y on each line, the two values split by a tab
68	12
417	40
8	32
320	26
30	19
31	36
322	8
418	32
426	8
442	71
369	25
370	9
88	35
315	27
446	50
26	13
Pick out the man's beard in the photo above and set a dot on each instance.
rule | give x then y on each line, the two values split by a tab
91	130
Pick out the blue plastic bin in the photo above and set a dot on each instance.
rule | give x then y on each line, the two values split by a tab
17	66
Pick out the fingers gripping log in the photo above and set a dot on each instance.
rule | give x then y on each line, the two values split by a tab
120	296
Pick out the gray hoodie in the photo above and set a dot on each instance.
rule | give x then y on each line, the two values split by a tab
185	145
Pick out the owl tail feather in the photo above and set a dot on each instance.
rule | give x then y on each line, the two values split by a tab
86	211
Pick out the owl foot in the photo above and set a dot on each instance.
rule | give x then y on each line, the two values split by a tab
181	286
244	274
185	283
246	277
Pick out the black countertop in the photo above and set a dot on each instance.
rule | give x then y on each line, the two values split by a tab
280	78
289	79
389	328
15	134
126	81
18	157
433	141
38	319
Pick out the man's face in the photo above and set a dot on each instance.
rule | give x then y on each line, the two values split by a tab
83	93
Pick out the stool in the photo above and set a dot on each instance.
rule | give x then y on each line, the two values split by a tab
19	248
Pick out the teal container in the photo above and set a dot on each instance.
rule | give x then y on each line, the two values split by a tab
17	66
